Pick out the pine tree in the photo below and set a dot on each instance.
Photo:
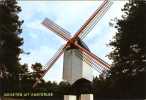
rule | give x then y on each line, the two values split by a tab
129	54
10	40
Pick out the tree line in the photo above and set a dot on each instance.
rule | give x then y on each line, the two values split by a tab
124	80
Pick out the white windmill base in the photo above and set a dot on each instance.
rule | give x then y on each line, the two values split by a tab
74	68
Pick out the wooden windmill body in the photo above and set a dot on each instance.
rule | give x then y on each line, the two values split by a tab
74	67
77	56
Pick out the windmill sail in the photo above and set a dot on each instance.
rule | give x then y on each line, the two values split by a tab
95	20
51	62
57	29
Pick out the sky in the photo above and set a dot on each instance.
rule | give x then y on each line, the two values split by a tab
71	15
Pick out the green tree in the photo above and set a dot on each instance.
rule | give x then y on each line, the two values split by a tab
37	67
129	54
10	40
37	70
102	88
64	88
13	74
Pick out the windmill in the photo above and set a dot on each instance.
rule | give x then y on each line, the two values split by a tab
75	50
